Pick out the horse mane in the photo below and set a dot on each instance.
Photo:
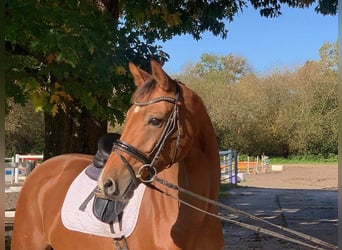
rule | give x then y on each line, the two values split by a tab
145	89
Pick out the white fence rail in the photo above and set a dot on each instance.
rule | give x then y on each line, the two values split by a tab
19	166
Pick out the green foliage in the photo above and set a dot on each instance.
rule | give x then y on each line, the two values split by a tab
273	8
60	38
305	159
281	114
164	19
71	57
24	130
225	69
224	188
62	52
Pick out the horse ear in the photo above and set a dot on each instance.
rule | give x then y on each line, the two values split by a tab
164	81
140	76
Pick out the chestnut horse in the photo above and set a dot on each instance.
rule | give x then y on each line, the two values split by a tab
167	133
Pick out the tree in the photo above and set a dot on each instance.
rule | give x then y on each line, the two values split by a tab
164	19
317	92
225	69
23	131
70	58
72	66
280	114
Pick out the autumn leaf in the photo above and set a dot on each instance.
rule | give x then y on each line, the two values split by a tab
57	85
66	28
121	71
38	100
54	110
51	58
62	106
91	49
55	98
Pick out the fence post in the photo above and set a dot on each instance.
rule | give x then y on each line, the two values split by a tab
16	169
229	166
236	166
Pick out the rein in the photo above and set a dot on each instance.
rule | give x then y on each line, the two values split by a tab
234	210
149	161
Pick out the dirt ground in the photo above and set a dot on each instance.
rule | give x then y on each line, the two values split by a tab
302	197
297	176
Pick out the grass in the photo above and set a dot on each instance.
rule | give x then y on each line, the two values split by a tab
224	188
304	159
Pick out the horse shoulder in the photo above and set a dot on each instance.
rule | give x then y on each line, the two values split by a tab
41	197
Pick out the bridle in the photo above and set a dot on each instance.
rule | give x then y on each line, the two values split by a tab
149	160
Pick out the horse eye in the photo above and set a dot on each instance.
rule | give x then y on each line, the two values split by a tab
155	121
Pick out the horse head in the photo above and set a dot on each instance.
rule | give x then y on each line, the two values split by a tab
154	136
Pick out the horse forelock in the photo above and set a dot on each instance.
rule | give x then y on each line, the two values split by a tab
144	90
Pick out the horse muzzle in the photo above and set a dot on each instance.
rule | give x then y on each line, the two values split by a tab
113	190
118	190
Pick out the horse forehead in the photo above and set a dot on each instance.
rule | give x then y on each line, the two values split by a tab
153	106
136	109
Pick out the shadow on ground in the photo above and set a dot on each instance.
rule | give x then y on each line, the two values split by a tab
313	212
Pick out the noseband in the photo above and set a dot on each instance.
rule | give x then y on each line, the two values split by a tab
149	160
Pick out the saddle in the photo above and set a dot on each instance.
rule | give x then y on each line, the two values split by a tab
104	148
105	210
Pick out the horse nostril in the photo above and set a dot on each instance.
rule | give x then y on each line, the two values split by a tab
108	183
110	187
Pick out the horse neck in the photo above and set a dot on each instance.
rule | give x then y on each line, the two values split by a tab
199	171
200	168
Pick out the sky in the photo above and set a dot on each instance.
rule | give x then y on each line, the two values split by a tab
287	41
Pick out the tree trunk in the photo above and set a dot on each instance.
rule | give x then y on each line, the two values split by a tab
73	131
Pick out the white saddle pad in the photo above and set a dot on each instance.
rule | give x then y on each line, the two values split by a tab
84	221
